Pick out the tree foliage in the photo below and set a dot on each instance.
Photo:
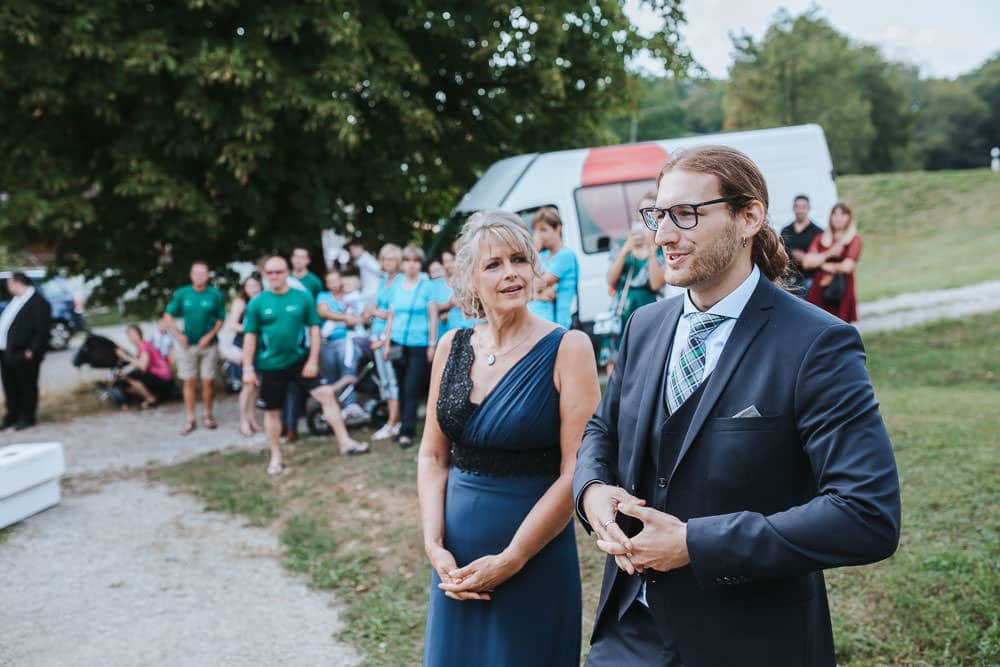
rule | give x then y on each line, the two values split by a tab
140	135
804	71
665	107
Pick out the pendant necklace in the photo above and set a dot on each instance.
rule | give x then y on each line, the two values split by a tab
491	358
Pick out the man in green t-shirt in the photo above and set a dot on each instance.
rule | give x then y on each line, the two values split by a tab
277	353
300	270
203	310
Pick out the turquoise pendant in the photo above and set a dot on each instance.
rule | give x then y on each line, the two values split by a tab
491	359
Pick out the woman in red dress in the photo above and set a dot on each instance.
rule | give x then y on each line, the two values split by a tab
835	251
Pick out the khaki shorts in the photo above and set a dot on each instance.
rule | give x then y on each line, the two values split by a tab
194	363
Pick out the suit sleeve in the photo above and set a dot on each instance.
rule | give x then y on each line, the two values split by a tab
855	516
42	313
597	458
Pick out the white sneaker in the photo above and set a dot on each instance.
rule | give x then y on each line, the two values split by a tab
383	433
395	429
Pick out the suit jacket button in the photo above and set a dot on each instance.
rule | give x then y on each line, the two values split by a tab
632	488
661	482
718	580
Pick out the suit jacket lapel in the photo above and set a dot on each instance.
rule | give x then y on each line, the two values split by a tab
655	361
752	320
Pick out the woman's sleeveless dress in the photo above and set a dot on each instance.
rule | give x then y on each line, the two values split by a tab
505	455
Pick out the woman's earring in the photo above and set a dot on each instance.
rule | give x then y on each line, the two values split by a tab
744	244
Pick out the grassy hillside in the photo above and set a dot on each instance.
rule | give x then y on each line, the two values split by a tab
925	230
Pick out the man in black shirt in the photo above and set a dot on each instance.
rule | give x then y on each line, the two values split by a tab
797	237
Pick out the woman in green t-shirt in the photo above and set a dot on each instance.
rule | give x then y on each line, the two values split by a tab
635	279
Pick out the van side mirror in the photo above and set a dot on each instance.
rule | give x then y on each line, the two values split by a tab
603	243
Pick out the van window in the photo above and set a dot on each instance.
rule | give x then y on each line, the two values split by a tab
606	211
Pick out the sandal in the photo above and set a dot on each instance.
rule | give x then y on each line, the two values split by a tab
275	469
188	427
356	450
405	442
209	423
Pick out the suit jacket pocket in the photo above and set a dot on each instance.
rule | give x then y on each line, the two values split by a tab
746	423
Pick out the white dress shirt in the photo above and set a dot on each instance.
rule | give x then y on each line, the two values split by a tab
10	312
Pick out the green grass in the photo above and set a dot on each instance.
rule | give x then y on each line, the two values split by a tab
5	533
924	230
351	525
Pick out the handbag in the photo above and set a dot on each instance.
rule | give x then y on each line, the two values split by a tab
609	323
834	292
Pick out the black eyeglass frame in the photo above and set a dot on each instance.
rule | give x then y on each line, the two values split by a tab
652	225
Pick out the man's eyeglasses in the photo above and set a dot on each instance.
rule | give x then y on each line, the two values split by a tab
685	216
275	272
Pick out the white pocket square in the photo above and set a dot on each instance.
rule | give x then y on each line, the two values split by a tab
750	411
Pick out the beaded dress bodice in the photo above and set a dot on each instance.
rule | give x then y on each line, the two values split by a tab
515	430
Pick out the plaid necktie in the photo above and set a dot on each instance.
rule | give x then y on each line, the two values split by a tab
690	371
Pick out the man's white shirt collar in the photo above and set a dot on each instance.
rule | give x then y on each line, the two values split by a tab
732	306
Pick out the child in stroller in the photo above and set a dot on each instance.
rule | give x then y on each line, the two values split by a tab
363	387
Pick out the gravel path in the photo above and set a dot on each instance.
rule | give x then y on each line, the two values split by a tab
907	310
128	574
116	442
124	573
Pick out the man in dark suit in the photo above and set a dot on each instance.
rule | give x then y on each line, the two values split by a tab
24	338
738	450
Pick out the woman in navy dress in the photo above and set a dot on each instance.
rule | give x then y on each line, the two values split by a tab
508	403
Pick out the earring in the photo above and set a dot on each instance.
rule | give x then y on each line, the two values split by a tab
744	243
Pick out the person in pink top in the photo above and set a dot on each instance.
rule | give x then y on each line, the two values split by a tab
148	374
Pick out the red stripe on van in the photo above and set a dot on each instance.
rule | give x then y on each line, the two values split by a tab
618	164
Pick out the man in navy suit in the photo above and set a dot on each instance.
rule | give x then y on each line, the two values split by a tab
738	450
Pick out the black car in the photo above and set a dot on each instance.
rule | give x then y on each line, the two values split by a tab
67	313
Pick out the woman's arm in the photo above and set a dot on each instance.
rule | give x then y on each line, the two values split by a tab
233	321
142	361
433	461
326	313
579	394
657	278
850	261
432	329
617	266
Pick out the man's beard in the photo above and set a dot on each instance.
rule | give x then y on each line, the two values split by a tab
711	261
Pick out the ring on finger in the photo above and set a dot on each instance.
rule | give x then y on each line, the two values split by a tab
608	522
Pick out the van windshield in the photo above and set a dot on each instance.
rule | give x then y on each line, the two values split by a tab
607	211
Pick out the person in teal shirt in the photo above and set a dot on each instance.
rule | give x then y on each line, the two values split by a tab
556	291
412	326
203	310
277	352
390	257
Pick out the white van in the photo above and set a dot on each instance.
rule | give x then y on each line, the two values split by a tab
597	189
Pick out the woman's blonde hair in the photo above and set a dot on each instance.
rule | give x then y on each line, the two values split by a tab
490	225
852	228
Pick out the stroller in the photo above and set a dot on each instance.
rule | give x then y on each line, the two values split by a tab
365	387
100	352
